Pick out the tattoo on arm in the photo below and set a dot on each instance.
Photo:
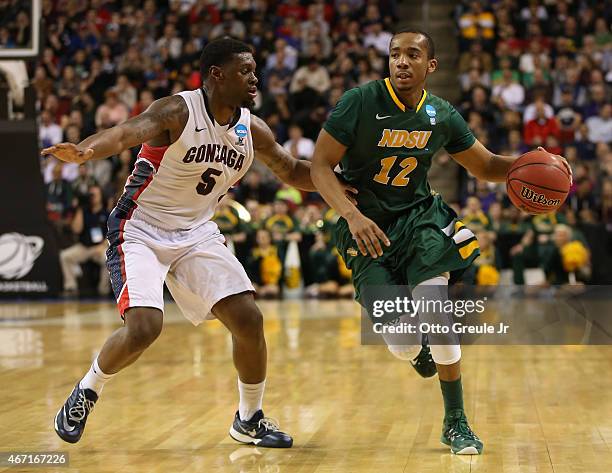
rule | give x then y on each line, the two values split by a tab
169	114
272	154
160	124
142	129
287	168
279	161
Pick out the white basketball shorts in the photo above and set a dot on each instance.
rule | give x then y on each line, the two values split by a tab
197	267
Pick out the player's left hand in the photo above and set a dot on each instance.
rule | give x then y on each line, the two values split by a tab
565	163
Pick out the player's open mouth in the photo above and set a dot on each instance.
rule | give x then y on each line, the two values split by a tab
404	75
253	92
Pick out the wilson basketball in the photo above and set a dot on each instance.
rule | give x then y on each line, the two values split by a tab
538	182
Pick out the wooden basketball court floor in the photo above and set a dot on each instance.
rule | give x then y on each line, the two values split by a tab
350	408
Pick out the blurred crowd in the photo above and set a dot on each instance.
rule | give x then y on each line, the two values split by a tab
538	73
528	78
15	23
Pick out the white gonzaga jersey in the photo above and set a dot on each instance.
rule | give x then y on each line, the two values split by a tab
177	187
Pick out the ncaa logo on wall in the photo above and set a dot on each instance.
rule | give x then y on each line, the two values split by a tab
241	132
18	254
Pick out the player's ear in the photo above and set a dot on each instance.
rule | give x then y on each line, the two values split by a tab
433	64
216	72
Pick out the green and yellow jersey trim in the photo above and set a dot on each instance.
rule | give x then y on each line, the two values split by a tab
396	99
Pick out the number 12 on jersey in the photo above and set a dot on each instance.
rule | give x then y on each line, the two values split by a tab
407	164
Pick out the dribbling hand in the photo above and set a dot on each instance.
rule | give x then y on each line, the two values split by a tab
367	235
565	163
69	153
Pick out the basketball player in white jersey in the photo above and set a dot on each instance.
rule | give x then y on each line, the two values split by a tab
195	145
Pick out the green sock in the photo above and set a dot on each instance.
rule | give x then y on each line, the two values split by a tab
452	392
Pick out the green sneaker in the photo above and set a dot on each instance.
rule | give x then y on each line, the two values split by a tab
456	433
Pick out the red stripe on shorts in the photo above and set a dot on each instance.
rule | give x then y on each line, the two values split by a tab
140	190
124	300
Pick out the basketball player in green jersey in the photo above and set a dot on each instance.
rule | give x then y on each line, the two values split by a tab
384	134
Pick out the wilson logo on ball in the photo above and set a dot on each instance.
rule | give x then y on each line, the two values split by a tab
536	198
538	182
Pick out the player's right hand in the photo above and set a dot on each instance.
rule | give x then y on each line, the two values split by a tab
68	152
565	163
367	235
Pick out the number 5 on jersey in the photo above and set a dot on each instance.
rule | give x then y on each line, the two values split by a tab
208	181
407	164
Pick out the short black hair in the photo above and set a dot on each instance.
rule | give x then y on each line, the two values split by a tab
431	48
219	52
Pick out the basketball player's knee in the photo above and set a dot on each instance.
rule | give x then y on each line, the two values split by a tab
143	334
404	352
143	329
445	354
250	326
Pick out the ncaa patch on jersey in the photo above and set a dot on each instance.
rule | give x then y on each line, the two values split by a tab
241	132
431	112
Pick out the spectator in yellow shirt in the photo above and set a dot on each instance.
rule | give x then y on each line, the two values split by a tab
473	216
477	24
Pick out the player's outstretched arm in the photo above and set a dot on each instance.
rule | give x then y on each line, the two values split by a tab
487	166
295	172
162	123
483	164
328	153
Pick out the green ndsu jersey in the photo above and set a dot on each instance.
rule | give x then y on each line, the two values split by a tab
390	147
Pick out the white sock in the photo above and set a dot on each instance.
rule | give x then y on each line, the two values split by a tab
251	398
95	379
